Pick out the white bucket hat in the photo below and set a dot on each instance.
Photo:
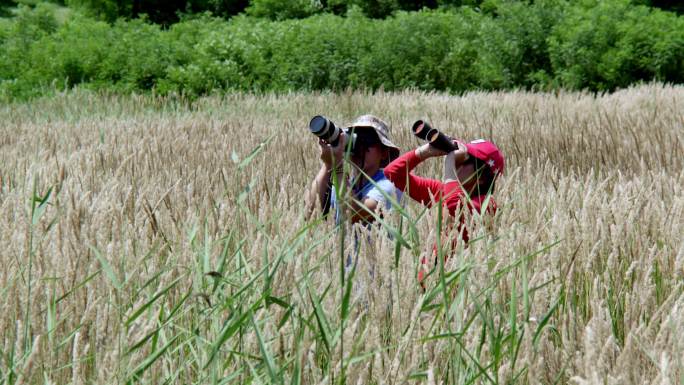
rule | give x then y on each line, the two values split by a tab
381	128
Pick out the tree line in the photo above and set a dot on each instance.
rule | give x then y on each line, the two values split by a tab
545	44
167	12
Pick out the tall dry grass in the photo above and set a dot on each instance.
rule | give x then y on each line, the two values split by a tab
147	240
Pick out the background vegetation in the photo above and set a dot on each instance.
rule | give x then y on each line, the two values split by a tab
146	240
152	234
283	46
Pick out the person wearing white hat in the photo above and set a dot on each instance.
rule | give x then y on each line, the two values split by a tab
371	191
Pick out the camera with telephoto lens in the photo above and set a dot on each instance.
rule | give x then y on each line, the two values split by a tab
437	139
325	129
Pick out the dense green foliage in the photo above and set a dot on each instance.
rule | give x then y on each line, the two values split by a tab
158	11
599	45
167	12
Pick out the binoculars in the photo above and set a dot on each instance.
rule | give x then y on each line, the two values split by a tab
437	139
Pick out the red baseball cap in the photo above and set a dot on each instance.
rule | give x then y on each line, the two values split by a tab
487	152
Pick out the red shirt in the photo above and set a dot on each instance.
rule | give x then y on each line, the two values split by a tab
429	191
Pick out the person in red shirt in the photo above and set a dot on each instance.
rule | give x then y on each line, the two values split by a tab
470	173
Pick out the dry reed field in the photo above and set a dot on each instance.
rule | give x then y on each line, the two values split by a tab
150	240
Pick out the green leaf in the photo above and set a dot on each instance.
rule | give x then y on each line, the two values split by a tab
140	369
149	303
258	149
346	299
51	317
107	268
78	286
155	332
322	321
265	352
545	320
37	211
231	327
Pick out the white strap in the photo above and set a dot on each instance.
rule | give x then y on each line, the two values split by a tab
450	167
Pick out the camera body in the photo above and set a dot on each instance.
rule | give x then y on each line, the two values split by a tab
325	129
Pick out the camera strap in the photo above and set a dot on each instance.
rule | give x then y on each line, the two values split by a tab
360	179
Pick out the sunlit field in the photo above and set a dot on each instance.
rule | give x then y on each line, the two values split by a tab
150	240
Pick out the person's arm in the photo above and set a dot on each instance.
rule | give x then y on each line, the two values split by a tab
361	211
320	190
423	190
355	210
321	186
382	196
453	159
331	171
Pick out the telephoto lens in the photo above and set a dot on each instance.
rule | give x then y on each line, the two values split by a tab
325	129
438	140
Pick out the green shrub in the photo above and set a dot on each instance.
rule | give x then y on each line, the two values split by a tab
280	10
321	52
414	50
584	40
185	72
165	12
107	10
139	56
513	46
74	54
598	45
608	44
18	36
651	46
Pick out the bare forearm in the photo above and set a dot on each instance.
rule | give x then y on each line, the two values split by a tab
355	209
320	186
